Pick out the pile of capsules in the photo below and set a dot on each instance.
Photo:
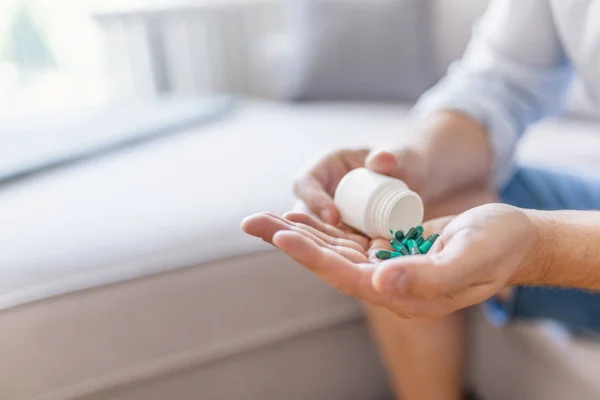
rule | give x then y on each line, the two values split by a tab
411	243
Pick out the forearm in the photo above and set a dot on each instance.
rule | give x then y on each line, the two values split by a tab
502	85
456	152
567	252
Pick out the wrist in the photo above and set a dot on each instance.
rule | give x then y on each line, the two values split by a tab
536	268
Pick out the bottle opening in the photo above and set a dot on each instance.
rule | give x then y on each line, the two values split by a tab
395	210
406	213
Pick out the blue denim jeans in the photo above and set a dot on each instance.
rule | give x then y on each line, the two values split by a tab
544	189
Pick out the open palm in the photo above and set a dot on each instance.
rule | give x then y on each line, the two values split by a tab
344	259
480	252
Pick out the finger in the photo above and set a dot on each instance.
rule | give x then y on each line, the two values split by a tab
353	255
356	255
403	164
432	309
330	234
309	220
347	277
328	229
346	248
266	225
333	241
312	192
382	162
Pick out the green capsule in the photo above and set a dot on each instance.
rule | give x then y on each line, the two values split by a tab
386	255
420	230
428	244
425	247
412	246
399	236
396	245
410	235
420	240
399	248
383	255
433	237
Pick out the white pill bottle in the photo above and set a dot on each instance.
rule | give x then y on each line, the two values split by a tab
375	204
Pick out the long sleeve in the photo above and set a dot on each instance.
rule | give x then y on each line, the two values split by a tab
513	73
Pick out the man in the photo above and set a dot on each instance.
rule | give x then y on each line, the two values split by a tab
515	71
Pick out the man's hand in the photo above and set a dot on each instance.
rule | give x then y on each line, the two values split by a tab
317	187
479	253
447	153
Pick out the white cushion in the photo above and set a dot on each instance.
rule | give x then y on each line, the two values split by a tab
171	203
216	330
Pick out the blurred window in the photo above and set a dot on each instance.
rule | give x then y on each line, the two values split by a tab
51	56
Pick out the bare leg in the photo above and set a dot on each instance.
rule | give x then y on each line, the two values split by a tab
426	360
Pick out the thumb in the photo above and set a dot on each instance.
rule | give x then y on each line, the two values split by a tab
382	162
450	269
404	164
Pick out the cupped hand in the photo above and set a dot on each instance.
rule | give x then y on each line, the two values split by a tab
317	187
341	257
479	253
